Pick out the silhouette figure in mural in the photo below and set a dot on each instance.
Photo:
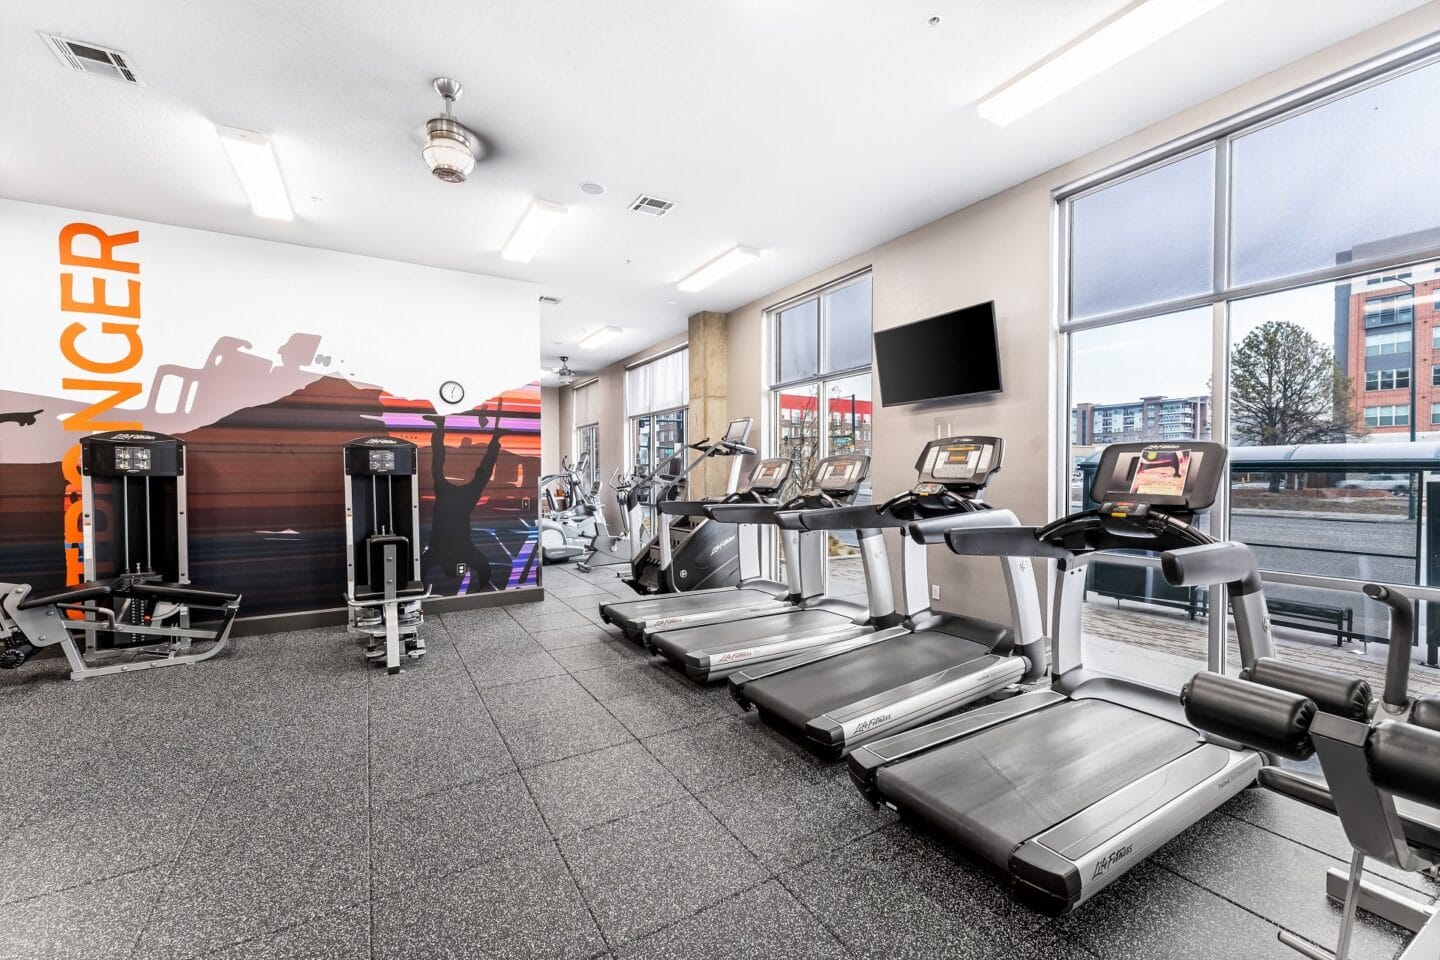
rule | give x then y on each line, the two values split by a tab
451	543
24	418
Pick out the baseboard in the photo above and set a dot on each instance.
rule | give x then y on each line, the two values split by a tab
336	616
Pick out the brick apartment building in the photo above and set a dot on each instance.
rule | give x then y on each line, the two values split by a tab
1387	336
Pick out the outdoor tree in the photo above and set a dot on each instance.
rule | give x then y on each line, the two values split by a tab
1286	388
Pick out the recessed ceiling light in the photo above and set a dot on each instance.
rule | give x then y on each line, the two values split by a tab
592	188
533	230
722	266
1133	30
259	172
600	337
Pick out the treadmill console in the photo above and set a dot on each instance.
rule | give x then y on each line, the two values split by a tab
770	475
1175	477
738	430
960	462
841	474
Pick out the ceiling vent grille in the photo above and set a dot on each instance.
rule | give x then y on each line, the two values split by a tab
92	58
651	206
550	301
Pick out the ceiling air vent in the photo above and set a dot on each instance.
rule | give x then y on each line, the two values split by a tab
653	206
550	301
92	58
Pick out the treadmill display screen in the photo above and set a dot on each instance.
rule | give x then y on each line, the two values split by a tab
738	431
836	474
960	461
1160	472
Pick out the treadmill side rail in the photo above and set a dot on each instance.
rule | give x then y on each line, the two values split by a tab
739	678
916	701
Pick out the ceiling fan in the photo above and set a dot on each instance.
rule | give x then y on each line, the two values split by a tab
566	375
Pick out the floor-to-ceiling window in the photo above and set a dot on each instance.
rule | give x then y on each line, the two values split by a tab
585	414
820	392
1273	283
657	394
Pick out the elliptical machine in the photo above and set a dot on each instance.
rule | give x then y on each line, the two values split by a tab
382	524
601	539
138	616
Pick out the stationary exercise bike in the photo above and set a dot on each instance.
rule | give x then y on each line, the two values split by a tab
133	611
384	593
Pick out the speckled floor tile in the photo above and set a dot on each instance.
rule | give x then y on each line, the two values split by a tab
411	758
761	923
564	637
1151	914
85	923
1239	861
583	791
513	660
238	877
717	752
555	619
450	831
523	907
609	652
342	935
640	677
657	866
893	895
664	709
789	814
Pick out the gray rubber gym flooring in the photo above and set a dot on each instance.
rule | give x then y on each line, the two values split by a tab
537	788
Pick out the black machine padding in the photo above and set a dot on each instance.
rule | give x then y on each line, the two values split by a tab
1333	693
1405	760
76	594
1426	712
1225	562
1267	719
996	789
183	592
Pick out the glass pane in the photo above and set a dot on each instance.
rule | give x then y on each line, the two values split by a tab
798	333
1327	476
1145	240
797	436
847	326
847	430
1345	181
1123	389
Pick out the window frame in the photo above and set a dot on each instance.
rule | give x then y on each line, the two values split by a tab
1220	137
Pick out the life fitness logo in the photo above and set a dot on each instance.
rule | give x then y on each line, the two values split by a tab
99	275
722	544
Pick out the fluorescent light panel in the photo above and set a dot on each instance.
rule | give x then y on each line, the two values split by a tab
600	337
1114	41
719	268
255	165
533	230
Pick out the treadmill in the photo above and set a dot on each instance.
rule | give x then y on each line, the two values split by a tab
710	651
878	682
753	592
1066	789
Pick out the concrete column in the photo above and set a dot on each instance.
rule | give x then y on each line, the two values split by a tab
709	396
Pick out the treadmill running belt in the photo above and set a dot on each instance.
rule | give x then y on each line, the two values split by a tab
992	791
799	696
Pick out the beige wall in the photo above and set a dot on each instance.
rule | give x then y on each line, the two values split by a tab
1000	249
549	429
610	415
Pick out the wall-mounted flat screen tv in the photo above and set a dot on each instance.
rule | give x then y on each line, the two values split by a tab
952	355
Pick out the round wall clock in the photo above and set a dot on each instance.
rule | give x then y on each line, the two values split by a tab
451	392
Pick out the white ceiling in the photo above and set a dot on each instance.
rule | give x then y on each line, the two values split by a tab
812	129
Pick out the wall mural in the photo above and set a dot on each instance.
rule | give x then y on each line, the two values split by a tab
319	348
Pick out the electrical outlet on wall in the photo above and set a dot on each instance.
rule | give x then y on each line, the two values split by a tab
934	591
943	427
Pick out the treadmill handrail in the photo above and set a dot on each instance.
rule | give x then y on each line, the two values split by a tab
994	540
862	516
763	513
